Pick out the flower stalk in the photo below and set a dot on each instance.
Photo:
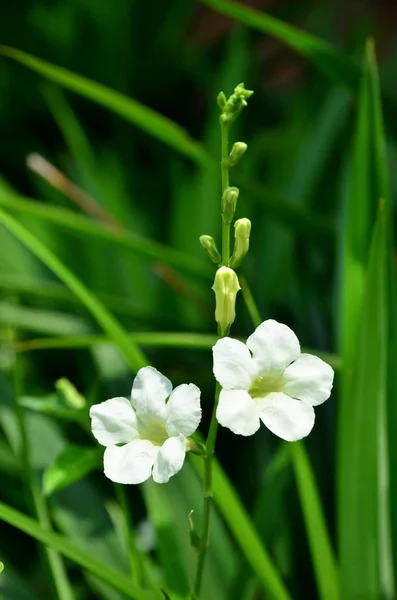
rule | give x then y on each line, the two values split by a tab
230	108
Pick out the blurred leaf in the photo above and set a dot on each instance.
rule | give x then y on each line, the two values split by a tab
363	416
143	117
114	578
133	355
43	321
79	224
170	555
243	530
53	406
329	60
72	464
369	183
323	557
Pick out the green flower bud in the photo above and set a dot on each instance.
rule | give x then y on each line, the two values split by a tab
225	286
69	392
229	201
221	99
208	243
194	536
236	153
242	230
235	103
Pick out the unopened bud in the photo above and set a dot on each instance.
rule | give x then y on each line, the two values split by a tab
229	201
69	392
236	153
235	103
221	99
225	286
208	243
242	230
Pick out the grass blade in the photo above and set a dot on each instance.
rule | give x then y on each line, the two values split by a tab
87	561
133	355
66	219
358	484
331	62
143	117
243	530
324	563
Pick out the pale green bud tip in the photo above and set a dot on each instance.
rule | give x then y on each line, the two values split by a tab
221	99
242	230
225	286
229	202
237	151
235	103
69	392
208	243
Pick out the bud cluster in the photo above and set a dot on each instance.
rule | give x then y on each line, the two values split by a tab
226	284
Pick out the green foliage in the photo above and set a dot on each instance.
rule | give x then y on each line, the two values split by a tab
106	285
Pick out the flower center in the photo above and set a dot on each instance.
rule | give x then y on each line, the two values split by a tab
266	384
153	430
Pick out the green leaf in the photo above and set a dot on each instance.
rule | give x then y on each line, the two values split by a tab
46	322
243	530
133	355
69	220
61	544
324	563
53	406
72	464
363	416
330	61
143	117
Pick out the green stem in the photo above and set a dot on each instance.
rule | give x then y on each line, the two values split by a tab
55	563
211	438
225	184
210	447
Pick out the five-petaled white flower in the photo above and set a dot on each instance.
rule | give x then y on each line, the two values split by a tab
276	384
153	432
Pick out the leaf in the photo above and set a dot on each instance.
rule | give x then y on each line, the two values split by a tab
132	354
243	530
67	219
143	117
46	322
87	561
53	406
364	413
323	557
330	61
72	464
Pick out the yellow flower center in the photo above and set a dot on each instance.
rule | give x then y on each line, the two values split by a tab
266	384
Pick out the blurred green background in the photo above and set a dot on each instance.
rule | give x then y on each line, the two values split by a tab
147	200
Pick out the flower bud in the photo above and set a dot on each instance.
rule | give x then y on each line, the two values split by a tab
235	103
242	230
236	153
229	201
221	99
70	394
225	286
208	243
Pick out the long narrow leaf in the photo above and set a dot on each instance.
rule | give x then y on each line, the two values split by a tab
244	532
131	352
324	563
87	561
143	117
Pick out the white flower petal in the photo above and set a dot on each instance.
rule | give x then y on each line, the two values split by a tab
238	412
183	412
309	379
233	364
149	393
288	418
169	459
273	346
114	422
131	463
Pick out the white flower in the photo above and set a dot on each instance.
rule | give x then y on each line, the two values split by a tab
276	384
152	431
